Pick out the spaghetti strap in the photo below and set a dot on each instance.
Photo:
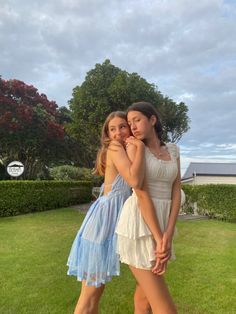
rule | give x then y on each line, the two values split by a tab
101	190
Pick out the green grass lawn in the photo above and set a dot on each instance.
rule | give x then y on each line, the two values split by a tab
34	250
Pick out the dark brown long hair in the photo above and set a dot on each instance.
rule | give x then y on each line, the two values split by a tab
148	110
100	165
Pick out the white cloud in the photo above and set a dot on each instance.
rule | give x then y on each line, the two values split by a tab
186	48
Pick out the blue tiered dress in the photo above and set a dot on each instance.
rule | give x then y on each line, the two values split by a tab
93	254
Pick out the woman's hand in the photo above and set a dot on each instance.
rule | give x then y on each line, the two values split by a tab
134	141
161	259
159	268
164	253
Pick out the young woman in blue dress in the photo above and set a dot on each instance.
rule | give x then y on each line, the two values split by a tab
93	258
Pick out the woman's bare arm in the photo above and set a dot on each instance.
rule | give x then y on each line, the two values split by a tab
175	204
131	171
145	202
148	212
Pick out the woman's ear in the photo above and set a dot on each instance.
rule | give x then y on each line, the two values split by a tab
153	120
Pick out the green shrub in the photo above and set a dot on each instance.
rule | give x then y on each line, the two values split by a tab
18	197
3	172
190	198
68	172
213	200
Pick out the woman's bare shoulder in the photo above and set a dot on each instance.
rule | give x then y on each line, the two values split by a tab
115	143
114	146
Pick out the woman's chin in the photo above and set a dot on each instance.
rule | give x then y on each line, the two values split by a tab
139	137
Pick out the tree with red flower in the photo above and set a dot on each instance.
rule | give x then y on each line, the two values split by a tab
29	128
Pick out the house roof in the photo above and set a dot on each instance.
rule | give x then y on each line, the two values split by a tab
210	168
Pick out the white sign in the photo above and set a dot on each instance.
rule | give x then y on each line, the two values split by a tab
15	168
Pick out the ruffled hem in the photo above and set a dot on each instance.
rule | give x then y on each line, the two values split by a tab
131	223
139	253
90	281
92	262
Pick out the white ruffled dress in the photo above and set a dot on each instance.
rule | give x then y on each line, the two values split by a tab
135	243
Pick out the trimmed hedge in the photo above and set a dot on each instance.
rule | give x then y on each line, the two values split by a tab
213	200
20	197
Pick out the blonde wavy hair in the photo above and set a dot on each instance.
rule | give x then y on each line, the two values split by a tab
100	164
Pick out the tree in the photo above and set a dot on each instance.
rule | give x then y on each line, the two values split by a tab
107	88
175	120
63	116
29	131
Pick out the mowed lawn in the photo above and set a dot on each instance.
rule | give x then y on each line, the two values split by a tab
34	250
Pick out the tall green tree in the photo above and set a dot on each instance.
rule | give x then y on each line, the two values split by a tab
107	88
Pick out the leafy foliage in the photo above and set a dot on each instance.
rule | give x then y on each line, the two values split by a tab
29	130
107	88
71	173
213	200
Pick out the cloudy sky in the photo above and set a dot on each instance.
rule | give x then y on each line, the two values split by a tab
187	48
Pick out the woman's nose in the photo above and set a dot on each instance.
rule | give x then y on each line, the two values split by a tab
133	126
118	132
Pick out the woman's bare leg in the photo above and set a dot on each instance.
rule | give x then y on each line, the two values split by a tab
156	291
141	304
89	299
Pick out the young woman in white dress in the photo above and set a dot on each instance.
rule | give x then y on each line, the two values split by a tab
136	242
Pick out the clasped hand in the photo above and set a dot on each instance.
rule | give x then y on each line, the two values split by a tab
163	254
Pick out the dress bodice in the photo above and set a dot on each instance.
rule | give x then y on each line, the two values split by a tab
118	186
160	174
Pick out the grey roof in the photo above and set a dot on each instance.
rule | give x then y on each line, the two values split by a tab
210	168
